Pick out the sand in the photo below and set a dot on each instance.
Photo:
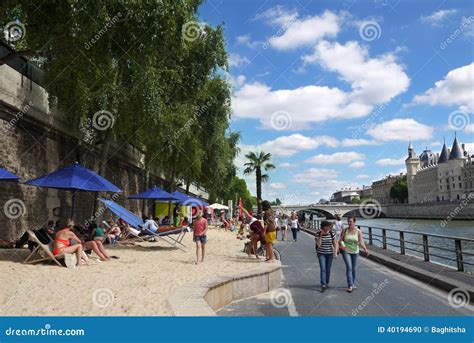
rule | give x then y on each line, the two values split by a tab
137	284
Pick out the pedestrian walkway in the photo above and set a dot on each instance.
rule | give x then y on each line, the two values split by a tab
380	290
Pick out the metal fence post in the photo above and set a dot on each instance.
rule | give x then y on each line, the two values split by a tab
426	251
384	238
370	236
402	242
459	261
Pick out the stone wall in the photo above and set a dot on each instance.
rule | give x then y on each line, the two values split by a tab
456	210
34	141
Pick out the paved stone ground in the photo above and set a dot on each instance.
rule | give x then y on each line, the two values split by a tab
380	290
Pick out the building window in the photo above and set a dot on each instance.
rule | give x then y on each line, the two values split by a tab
460	185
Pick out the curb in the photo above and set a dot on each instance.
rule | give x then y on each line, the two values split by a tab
204	297
435	280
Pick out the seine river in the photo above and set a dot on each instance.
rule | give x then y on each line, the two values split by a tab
463	229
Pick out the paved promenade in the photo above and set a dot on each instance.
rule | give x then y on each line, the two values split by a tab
380	291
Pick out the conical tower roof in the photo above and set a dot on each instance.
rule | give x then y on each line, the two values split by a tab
444	157
456	151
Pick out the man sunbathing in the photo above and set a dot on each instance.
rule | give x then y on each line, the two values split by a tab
62	243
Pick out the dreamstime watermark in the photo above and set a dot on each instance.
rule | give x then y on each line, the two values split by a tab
370	208
103	297
102	31
47	330
192	30
14	208
280	32
458	298
458	120
103	120
14	31
26	107
370	30
369	122
281	120
464	202
465	23
191	121
378	287
99	212
280	298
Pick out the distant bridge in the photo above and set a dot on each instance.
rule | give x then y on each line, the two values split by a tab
329	211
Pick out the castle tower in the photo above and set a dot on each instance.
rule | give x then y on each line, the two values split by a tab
413	164
456	175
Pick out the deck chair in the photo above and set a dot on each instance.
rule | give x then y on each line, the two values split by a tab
137	223
44	253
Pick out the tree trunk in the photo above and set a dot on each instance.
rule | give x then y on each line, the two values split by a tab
258	178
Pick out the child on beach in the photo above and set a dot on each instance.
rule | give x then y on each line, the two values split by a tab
200	236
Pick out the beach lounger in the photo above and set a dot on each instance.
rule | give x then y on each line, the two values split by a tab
44	253
137	223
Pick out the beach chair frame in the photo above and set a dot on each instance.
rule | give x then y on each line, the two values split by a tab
48	255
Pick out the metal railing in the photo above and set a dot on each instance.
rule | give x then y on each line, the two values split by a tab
394	239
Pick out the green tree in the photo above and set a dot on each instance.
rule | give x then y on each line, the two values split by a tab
399	189
257	163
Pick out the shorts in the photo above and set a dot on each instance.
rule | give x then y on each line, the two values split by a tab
270	237
202	239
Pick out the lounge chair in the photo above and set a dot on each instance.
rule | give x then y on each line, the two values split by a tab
137	223
44	253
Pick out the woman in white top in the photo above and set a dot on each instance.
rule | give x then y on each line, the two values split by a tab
294	226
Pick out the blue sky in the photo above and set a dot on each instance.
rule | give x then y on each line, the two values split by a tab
335	89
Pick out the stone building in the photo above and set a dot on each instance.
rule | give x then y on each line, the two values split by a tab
447	176
381	189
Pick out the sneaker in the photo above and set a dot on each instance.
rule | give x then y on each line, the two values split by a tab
323	288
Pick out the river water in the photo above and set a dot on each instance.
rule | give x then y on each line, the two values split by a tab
438	246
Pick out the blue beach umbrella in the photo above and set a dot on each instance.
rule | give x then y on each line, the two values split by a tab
187	200
76	178
123	213
154	193
5	175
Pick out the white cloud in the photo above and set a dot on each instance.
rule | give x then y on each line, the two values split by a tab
456	89
312	174
357	165
236	60
350	142
292	144
247	41
337	158
470	148
437	18
278	16
286	165
390	162
362	176
237	81
469	128
306	31
277	185
373	81
400	130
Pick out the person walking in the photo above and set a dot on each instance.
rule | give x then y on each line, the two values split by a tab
350	241
283	226
200	236
294	226
257	232
326	249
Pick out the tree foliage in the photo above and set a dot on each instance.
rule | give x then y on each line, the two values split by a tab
399	189
136	60
257	163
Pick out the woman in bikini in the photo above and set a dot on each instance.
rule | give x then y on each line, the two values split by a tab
62	242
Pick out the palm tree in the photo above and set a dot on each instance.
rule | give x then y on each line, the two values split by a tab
256	163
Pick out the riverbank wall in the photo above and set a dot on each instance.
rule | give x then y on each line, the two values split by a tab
459	210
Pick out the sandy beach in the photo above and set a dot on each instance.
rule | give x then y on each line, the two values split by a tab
137	284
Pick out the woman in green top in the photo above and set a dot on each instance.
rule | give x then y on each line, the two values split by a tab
351	239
